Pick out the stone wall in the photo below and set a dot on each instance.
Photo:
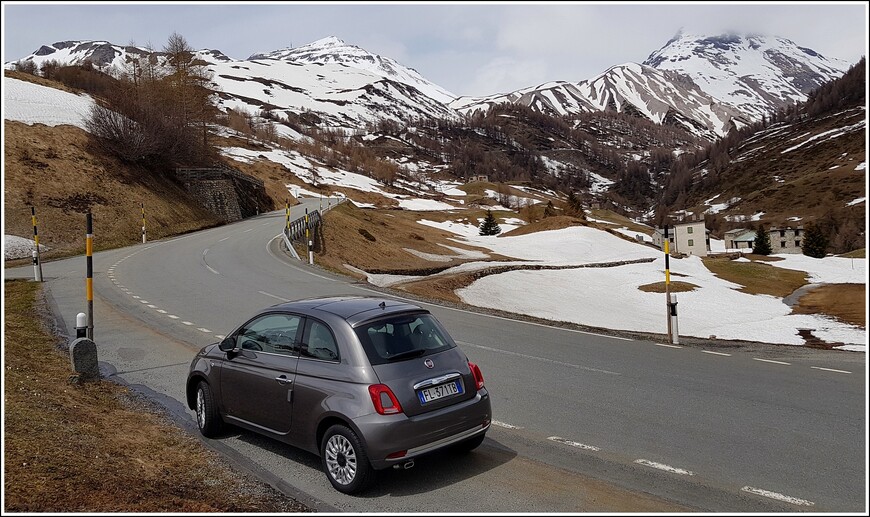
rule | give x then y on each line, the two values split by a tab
218	196
225	192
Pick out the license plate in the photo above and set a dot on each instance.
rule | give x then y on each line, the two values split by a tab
439	392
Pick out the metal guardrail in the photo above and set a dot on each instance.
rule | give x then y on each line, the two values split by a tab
296	230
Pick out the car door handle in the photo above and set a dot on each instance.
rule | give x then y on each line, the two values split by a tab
282	379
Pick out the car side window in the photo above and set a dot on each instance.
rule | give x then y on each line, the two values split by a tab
318	342
273	333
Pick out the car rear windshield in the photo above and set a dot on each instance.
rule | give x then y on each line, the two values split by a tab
401	337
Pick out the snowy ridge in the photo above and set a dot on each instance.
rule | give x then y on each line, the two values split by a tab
754	74
343	85
658	96
332	50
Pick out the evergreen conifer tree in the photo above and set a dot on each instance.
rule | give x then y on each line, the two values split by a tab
549	210
575	207
761	246
815	242
489	226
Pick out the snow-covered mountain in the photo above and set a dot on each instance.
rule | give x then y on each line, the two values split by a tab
662	97
754	74
341	85
332	50
706	85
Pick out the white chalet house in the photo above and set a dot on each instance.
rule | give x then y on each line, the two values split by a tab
686	237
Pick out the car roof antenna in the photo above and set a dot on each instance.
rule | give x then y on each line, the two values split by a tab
382	305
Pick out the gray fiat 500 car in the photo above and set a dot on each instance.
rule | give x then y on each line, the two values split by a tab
365	383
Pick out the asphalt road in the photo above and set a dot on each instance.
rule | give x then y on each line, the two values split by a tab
584	422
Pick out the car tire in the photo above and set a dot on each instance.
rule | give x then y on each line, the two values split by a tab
207	417
470	444
345	460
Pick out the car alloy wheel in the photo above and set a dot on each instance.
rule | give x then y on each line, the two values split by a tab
200	408
207	418
345	460
341	459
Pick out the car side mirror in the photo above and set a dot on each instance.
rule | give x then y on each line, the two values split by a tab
228	344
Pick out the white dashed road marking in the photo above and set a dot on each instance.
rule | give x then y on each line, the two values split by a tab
829	369
667	346
771	361
666	468
573	444
508	352
506	426
715	353
778	497
273	296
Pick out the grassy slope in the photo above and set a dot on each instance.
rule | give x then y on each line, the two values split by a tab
94	447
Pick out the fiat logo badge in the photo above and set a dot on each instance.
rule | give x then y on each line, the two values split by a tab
429	364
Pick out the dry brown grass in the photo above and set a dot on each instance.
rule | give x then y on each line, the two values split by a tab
845	302
440	288
861	253
94	447
757	278
548	223
54	170
618	221
674	287
374	240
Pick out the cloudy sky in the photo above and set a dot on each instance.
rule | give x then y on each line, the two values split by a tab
468	48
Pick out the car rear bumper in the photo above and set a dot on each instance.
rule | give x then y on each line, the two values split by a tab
386	435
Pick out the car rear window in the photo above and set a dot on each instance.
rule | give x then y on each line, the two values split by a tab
402	337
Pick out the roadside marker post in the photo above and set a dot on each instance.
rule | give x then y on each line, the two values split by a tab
89	282
308	239
668	283
143	222
37	264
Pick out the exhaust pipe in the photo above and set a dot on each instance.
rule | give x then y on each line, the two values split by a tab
408	464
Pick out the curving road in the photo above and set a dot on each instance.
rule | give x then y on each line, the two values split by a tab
585	423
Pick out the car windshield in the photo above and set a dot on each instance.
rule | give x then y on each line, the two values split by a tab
401	337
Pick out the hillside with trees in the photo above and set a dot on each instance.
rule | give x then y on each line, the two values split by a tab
802	164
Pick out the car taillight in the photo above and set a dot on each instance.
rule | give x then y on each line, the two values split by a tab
384	400
478	376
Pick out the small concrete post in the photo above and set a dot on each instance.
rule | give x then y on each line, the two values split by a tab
37	273
83	357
